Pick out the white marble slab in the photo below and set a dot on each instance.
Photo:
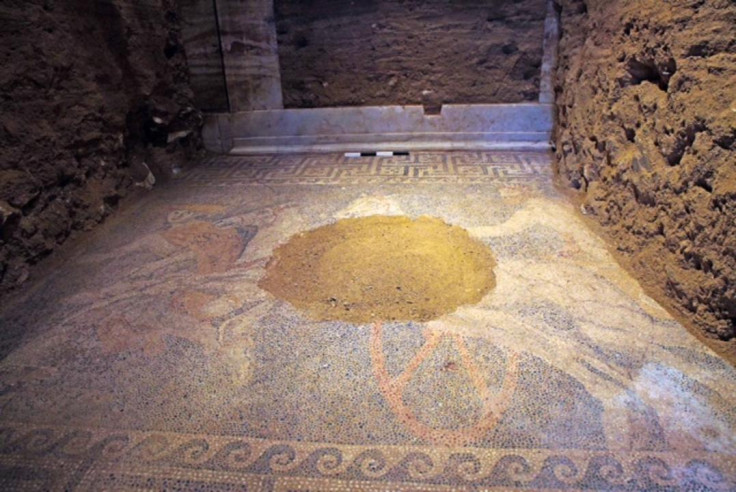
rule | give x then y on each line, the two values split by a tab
549	54
468	126
250	54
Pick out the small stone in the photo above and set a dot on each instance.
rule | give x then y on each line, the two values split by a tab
10	217
174	136
18	188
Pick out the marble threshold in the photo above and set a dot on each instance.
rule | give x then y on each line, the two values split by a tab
399	128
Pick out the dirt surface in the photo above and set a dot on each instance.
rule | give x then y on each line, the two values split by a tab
378	52
647	134
94	98
381	268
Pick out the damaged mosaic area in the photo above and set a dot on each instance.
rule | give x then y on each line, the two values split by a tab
150	358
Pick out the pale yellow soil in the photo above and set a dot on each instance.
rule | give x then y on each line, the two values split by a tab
381	268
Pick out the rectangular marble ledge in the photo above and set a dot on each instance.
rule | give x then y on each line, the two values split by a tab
388	146
401	127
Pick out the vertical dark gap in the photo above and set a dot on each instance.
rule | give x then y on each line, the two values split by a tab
222	55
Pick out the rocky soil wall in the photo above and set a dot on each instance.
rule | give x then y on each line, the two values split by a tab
377	52
646	107
94	99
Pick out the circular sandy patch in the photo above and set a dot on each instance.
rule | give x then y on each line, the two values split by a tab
380	268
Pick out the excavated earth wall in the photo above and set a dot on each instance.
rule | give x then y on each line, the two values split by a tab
432	52
646	131
94	98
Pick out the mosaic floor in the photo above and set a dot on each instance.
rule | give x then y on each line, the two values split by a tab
150	359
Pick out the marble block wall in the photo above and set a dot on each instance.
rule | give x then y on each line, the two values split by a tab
200	35
250	52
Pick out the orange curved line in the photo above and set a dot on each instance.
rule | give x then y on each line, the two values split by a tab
493	408
400	381
475	377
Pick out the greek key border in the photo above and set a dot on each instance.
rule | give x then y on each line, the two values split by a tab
336	169
91	459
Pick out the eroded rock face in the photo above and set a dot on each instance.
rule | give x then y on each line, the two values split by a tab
646	96
94	97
